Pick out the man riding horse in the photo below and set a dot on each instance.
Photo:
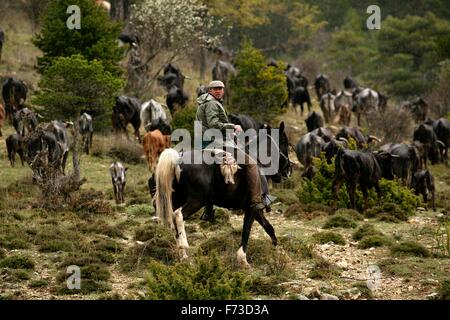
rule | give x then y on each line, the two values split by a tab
212	115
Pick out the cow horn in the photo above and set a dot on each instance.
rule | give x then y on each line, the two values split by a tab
375	138
441	143
39	115
343	139
394	155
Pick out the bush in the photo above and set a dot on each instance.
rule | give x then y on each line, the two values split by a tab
96	39
325	237
444	290
340	221
410	248
319	190
373	241
126	152
17	262
184	119
206	278
73	84
365	231
323	269
257	90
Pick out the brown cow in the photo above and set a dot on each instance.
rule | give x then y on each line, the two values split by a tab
154	144
2	117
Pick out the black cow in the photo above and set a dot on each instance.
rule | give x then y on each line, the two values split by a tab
355	133
361	167
332	147
223	71
299	97
176	97
59	130
426	135
13	146
2	40
117	172
310	145
441	128
161	125
382	101
324	133
24	121
322	85
349	83
127	110
86	129
14	94
131	39
172	76
314	121
42	147
201	89
418	108
406	162
423	183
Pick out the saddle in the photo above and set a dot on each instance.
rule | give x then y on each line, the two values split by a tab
227	163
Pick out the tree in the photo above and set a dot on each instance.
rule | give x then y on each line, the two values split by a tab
257	90
351	48
169	26
73	84
96	39
410	50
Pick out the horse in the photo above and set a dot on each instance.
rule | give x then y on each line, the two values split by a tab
184	187
127	110
150	111
154	143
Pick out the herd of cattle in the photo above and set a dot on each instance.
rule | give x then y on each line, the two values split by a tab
407	161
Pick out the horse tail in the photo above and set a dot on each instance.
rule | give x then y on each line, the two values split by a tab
167	169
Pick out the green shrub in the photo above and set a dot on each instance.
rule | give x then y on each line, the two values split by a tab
72	84
340	221
184	119
365	231
17	262
319	190
410	248
325	237
388	212
96	39
296	247
444	290
56	245
257	90
323	269
265	285
373	241
38	283
206	278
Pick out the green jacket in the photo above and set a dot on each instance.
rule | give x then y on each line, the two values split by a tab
212	114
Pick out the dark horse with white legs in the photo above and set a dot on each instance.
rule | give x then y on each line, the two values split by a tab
183	188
